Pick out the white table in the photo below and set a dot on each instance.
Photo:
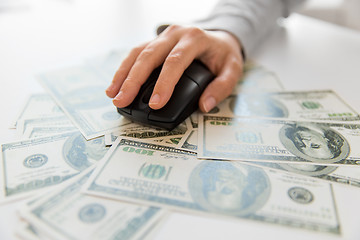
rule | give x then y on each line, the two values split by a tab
305	54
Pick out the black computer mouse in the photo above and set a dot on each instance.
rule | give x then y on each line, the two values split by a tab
183	102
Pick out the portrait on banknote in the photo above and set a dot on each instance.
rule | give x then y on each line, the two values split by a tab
80	154
225	188
313	142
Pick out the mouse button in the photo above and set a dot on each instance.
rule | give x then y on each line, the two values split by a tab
147	93
184	93
140	114
199	73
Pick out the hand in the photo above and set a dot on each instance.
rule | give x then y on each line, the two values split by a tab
176	47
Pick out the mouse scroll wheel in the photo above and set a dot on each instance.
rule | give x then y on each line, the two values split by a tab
147	94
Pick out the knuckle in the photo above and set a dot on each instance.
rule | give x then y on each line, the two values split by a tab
146	54
173	28
196	33
136	50
236	66
131	83
175	58
226	87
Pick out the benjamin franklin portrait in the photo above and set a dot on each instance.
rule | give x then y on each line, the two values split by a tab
229	188
80	153
314	142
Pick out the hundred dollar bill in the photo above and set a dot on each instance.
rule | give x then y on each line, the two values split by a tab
67	214
36	132
339	174
24	124
319	105
79	91
257	79
38	106
189	141
278	140
151	134
194	119
176	179
35	164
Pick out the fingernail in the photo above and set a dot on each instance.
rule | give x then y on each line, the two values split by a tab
119	96
209	104
155	99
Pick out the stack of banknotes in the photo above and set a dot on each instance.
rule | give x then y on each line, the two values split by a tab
264	154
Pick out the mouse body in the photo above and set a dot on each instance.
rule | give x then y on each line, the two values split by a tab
183	102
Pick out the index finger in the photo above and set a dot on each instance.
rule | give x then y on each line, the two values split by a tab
180	57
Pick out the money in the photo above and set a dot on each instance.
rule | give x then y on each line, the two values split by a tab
25	124
163	176
151	134
36	132
277	140
39	106
194	119
36	164
257	79
189	141
319	105
79	92
338	174
68	214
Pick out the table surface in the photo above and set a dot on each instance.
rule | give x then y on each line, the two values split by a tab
305	53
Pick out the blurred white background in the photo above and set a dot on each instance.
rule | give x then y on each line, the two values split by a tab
36	35
342	12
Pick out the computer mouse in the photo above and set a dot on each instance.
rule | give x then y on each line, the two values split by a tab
183	102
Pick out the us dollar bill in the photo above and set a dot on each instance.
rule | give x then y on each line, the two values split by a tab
164	176
38	106
319	105
24	124
36	132
151	134
338	174
278	140
79	91
32	165
257	78
67	214
189	141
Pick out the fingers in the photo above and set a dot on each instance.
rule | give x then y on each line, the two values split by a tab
226	80
123	71
180	57
151	56
176	48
